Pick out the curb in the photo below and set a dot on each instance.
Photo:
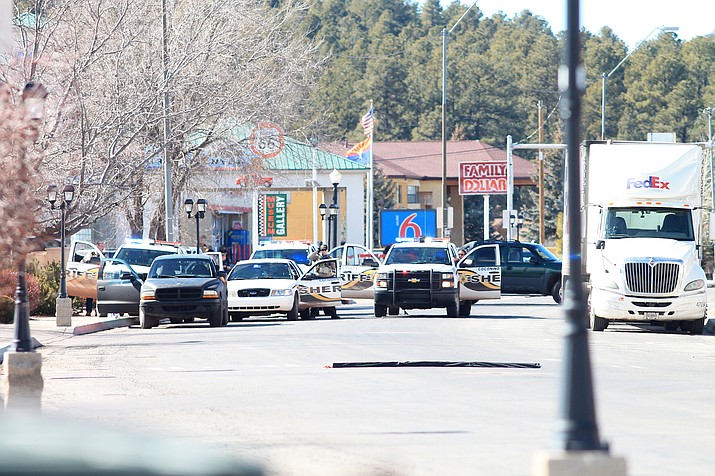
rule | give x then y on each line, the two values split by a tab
104	325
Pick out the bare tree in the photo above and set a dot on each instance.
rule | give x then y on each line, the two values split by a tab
231	63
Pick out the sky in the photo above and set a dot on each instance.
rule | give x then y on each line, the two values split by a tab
630	20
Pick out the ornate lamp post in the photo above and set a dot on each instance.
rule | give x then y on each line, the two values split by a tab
67	197
22	377
200	212
335	177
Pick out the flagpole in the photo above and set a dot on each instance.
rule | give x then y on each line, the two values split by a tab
370	192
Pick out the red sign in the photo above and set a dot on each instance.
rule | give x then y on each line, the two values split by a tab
267	140
482	178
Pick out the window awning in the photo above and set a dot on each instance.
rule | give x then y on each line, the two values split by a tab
229	209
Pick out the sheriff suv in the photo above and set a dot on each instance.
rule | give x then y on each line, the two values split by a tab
527	268
426	275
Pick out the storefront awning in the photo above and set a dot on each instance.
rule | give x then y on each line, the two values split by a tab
229	209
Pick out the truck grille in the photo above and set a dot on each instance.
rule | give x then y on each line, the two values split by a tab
652	278
178	294
416	280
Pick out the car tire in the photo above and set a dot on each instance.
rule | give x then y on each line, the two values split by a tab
146	322
393	311
305	313
596	323
380	310
332	312
696	327
671	326
556	292
293	313
216	318
225	320
314	311
465	308
453	310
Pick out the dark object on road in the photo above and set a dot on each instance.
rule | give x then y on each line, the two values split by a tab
438	363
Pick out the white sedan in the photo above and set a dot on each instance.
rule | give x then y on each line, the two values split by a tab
262	287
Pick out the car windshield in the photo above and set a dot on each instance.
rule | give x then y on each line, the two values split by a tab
182	268
261	271
298	255
417	255
140	256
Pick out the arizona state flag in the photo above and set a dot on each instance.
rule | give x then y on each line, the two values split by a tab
360	153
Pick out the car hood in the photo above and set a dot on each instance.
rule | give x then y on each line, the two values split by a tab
237	284
159	283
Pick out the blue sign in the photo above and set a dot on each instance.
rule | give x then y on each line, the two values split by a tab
396	225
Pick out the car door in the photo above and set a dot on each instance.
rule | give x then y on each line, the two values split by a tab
523	271
357	271
320	285
480	274
118	288
81	269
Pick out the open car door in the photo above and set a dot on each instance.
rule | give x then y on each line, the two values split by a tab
118	288
480	274
82	268
320	285
357	270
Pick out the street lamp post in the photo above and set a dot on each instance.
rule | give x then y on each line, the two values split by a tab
443	203
200	212
605	76
335	177
67	197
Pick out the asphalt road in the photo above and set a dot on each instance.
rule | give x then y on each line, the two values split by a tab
263	390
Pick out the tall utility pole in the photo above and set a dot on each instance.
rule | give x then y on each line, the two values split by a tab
541	174
443	204
168	201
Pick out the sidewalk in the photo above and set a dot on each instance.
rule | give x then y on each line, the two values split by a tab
44	330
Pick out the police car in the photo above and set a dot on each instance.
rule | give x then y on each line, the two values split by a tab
262	287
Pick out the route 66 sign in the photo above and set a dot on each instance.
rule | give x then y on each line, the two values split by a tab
267	140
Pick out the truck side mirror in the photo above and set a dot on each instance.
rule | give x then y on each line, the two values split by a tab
126	275
600	244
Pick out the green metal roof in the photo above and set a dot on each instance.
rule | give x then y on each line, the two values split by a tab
297	155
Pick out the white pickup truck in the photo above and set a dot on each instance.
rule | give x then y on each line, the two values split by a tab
427	275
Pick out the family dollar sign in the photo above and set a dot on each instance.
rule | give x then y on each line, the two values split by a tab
482	178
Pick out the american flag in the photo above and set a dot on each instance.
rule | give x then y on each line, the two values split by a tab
367	122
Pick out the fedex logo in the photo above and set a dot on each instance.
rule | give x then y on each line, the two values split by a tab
651	182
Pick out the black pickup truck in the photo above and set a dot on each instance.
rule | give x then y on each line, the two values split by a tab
526	268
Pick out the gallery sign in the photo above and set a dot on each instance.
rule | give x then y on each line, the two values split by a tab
276	218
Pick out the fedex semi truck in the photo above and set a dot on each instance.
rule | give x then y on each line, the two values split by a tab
641	247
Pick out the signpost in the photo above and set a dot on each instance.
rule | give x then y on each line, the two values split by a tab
483	178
